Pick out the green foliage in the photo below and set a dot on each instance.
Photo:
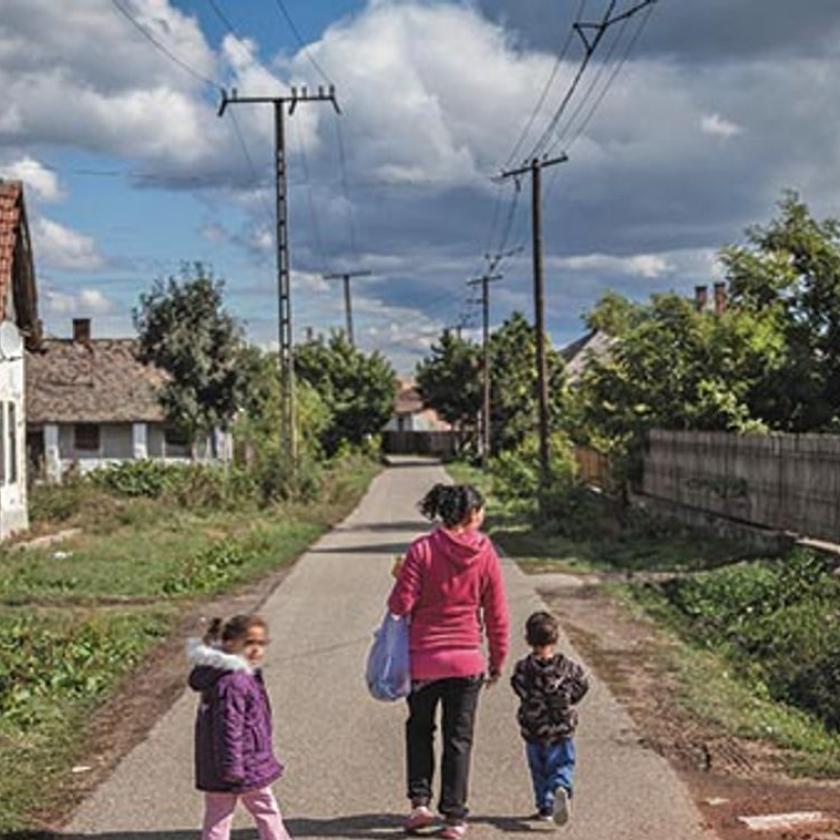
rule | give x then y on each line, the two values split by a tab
185	330
514	380
359	389
790	272
777	620
42	662
450	380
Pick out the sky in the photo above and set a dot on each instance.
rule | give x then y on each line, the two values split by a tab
689	122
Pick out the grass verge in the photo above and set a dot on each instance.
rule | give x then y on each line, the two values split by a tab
76	618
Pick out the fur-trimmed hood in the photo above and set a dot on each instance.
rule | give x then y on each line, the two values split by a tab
210	663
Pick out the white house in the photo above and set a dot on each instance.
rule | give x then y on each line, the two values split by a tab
410	415
19	325
94	402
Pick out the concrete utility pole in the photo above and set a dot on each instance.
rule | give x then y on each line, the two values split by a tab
346	276
535	168
284	287
484	281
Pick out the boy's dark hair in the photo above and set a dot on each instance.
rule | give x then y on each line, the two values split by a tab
233	629
451	503
542	629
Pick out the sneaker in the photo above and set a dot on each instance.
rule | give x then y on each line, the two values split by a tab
561	806
420	817
543	815
454	830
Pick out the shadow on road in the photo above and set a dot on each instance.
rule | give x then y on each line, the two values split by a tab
377	548
355	827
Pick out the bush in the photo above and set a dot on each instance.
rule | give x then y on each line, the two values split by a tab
516	472
777	620
135	478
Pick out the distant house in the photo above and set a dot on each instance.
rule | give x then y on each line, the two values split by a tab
416	429
410	415
579	354
93	402
19	328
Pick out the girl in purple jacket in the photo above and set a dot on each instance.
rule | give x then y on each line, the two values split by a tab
234	759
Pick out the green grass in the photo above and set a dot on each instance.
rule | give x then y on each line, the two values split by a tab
66	637
55	667
717	690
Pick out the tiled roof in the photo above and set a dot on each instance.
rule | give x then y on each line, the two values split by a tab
100	381
578	354
11	198
408	401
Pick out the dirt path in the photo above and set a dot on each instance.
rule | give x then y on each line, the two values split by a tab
344	752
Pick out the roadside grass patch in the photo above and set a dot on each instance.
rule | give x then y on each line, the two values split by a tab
54	668
78	616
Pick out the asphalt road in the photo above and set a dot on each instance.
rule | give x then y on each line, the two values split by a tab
343	751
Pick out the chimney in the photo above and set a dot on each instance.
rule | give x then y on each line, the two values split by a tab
720	298
81	330
701	298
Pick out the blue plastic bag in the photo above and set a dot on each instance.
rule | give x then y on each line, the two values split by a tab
388	671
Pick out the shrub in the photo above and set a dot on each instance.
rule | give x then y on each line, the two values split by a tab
778	620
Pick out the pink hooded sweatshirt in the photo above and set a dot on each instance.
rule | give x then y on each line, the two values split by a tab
450	584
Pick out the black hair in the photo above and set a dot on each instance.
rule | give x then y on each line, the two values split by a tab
233	629
452	504
542	629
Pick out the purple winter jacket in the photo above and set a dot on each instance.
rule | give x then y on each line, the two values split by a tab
233	751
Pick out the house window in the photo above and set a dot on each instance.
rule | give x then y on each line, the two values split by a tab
176	442
13	476
87	437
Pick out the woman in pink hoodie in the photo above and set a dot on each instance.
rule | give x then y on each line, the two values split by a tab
451	586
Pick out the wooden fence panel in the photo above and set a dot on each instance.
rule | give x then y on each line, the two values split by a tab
785	482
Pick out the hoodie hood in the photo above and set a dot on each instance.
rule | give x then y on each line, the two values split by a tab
210	663
461	547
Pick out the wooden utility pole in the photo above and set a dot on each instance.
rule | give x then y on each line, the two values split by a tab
484	281
284	286
346	276
535	168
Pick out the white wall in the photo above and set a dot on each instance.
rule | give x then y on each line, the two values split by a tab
13	503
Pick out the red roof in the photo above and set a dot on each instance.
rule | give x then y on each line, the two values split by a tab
11	208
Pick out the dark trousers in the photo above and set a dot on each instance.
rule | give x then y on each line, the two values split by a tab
459	697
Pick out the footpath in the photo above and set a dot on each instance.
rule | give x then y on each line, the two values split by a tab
343	751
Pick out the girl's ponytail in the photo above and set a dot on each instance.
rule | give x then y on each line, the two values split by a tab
452	504
214	632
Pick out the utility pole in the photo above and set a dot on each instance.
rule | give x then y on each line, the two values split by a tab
535	168
346	276
484	281
284	286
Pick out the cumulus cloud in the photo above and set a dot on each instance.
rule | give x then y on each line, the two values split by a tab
62	247
86	302
639	265
717	126
42	181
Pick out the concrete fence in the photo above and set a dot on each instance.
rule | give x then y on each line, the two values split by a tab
442	444
780	481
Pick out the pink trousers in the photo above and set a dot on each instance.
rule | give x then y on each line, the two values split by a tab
219	808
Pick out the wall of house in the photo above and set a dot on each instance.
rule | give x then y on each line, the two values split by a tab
119	442
13	502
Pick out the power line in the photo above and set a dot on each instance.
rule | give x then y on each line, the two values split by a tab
299	38
630	46
561	56
313	217
165	50
223	18
342	162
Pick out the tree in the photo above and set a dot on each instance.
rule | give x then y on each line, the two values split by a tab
449	380
673	367
184	329
358	388
790	272
513	383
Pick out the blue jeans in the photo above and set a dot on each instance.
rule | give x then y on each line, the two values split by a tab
552	766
